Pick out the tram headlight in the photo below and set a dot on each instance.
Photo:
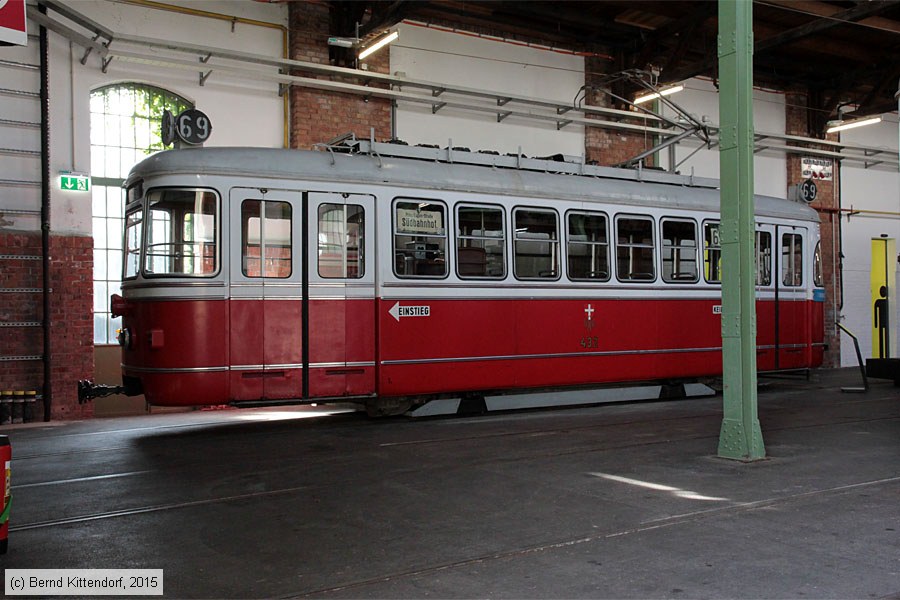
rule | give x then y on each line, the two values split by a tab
123	336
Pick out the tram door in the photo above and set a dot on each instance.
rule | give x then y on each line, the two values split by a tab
266	280
791	324
765	294
341	295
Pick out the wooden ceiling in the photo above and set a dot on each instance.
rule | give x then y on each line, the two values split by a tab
839	52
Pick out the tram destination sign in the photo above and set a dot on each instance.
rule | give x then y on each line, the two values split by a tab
420	222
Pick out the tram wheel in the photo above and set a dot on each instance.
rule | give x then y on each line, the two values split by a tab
388	407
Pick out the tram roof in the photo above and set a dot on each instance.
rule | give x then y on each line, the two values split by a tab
621	186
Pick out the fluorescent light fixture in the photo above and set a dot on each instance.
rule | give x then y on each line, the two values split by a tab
669	90
379	44
834	126
343	42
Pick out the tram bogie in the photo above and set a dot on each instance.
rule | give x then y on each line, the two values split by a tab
260	275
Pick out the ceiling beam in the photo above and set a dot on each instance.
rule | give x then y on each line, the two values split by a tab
874	101
383	16
683	28
821	9
847	53
856	13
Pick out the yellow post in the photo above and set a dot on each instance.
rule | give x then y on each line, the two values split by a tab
884	297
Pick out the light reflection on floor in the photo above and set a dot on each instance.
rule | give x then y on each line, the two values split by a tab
295	412
677	492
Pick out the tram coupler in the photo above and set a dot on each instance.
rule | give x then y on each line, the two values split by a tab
88	390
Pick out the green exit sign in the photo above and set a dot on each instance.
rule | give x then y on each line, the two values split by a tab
75	182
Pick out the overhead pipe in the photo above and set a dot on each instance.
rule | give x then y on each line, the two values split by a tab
233	20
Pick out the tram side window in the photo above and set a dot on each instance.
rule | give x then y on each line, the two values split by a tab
763	258
182	230
266	239
420	239
341	243
635	249
536	244
679	251
133	229
712	253
588	247
792	259
818	278
480	242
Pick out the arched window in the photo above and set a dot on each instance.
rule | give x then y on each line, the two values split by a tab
125	128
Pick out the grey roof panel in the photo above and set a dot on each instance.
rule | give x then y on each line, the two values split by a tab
275	163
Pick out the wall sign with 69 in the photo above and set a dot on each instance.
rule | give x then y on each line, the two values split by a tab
191	126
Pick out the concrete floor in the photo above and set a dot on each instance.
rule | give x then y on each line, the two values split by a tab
615	501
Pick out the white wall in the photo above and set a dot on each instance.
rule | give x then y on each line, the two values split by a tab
467	61
20	107
867	189
246	113
700	99
474	62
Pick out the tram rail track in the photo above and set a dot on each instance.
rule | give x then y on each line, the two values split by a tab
643	527
368	424
76	519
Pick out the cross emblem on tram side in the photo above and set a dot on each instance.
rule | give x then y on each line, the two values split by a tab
589	311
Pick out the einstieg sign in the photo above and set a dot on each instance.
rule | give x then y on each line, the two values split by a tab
12	23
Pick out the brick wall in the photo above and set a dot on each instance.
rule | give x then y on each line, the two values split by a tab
608	146
71	317
317	115
797	123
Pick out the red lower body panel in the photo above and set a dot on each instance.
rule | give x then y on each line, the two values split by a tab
514	344
197	352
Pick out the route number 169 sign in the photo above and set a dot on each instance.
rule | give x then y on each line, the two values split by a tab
190	126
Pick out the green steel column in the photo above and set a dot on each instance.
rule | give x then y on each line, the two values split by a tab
741	436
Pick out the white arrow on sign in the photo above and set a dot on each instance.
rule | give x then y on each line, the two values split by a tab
398	311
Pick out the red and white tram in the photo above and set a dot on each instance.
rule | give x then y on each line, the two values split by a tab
393	275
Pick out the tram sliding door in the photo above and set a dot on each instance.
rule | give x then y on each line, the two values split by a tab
341	295
266	295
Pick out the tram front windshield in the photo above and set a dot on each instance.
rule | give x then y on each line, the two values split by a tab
180	230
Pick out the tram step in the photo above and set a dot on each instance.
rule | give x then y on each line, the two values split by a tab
454	406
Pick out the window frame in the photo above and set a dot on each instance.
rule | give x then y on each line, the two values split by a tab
718	248
557	272
606	221
756	254
653	247
445	236
798	235
244	239
818	266
504	239
147	224
136	210
360	248
675	249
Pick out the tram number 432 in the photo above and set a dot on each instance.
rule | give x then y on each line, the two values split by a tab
590	342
